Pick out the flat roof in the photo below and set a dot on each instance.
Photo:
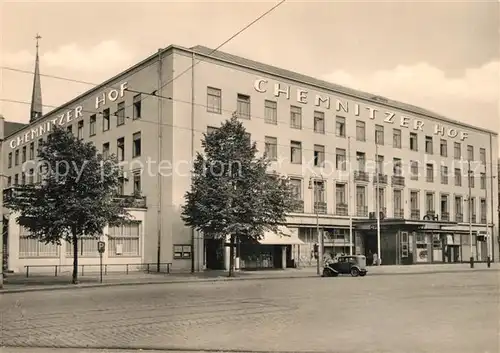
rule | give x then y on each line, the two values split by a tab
269	70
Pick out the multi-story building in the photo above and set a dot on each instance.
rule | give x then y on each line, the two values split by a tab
342	149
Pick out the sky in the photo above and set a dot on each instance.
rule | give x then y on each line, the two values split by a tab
443	56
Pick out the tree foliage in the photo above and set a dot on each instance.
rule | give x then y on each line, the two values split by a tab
76	196
232	192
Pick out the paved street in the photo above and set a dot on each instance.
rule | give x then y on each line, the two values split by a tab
442	312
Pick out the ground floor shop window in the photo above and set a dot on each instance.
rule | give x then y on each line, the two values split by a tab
87	247
124	240
29	248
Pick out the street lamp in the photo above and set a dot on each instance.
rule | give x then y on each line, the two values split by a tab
312	187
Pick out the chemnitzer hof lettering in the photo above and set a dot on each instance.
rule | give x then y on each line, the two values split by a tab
341	105
67	117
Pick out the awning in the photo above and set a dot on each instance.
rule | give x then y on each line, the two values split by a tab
287	237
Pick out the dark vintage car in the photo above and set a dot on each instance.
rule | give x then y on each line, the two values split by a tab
355	265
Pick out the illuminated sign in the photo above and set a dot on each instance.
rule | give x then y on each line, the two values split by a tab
70	115
341	105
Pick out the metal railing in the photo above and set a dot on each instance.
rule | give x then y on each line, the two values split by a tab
362	211
125	268
360	175
320	207
398	180
341	209
415	214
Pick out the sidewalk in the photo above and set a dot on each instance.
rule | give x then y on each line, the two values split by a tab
18	283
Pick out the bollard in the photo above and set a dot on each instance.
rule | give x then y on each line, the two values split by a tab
471	260
489	262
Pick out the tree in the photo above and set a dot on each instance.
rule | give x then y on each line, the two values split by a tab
76	196
232	193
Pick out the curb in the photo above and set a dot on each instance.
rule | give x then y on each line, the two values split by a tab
222	279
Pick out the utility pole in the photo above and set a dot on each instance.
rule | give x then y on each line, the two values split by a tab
319	239
160	150
488	235
349	211
1	200
470	215
377	206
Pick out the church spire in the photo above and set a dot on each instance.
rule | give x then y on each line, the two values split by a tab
36	97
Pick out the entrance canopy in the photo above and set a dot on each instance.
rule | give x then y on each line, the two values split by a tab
286	237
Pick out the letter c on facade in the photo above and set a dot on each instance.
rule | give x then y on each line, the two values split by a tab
12	144
257	85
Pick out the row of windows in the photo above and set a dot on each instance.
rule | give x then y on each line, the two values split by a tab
123	240
271	151
318	193
214	105
24	154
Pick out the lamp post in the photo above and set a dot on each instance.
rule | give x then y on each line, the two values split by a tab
312	187
469	175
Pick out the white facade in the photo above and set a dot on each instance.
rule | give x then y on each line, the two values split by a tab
301	120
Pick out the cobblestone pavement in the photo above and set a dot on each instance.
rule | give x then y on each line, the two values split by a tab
445	312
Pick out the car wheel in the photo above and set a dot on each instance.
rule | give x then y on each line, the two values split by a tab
354	272
362	274
327	273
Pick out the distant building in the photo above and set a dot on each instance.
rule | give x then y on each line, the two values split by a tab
336	145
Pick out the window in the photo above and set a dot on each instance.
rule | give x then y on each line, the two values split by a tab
137	183
429	202
396	138
413	141
379	160
319	155
443	148
182	252
429	148
340	194
80	130
137	107
414	174
458	177
124	240
379	134
319	122
9	181
340	159
444	175
214	100
10	159
361	208
296	186
92	123
271	148
483	181
296	152
429	172
29	248
87	247
458	209
414	202
32	151
105	150
23	178
271	112
295	117
120	146
243	106
23	158
121	183
457	150
397	170
16	158
482	156
470	153
361	159
472	210
105	120
30	176
70	129
444	206
471	179
360	130
211	129
120	114
16	179
482	204
340	126
136	144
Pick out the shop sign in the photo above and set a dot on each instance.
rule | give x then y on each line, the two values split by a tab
343	105
68	116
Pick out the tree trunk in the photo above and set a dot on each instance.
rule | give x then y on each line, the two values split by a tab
231	256
75	258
